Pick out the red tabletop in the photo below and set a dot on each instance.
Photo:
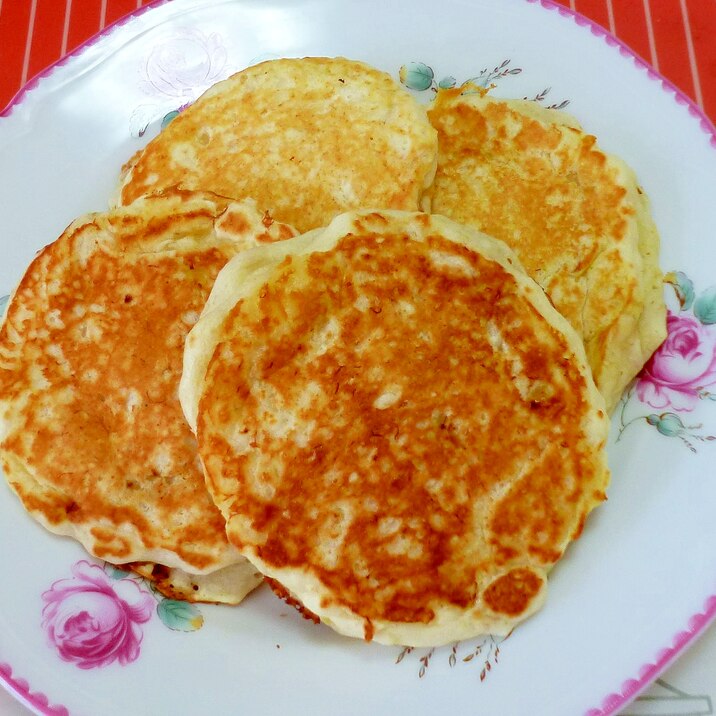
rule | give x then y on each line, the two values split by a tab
677	37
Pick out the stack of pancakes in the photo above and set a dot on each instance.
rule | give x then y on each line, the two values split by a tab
327	337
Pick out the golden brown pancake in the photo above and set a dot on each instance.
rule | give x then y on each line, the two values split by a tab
306	138
574	215
92	436
399	428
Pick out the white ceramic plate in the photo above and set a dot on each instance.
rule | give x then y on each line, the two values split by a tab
629	596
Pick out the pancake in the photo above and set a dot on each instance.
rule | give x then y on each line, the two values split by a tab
92	437
228	585
575	216
400	430
307	138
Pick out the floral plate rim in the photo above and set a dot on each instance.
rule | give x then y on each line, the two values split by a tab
696	624
33	83
705	123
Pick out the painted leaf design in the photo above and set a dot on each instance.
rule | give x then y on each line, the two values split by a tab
705	306
447	83
115	572
417	76
180	616
168	117
670	425
683	287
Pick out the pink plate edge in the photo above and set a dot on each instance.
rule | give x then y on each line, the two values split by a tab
707	126
697	624
20	689
109	29
631	688
648	672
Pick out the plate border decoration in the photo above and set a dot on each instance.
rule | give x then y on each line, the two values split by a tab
33	82
681	98
20	688
648	672
698	622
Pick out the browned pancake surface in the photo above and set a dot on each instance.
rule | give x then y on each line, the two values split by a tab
396	419
307	138
94	440
573	214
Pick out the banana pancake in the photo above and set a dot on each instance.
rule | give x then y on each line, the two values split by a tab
400	430
307	138
92	437
575	216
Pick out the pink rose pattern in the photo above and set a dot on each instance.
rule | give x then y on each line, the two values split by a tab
682	370
684	365
92	621
184	65
175	72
